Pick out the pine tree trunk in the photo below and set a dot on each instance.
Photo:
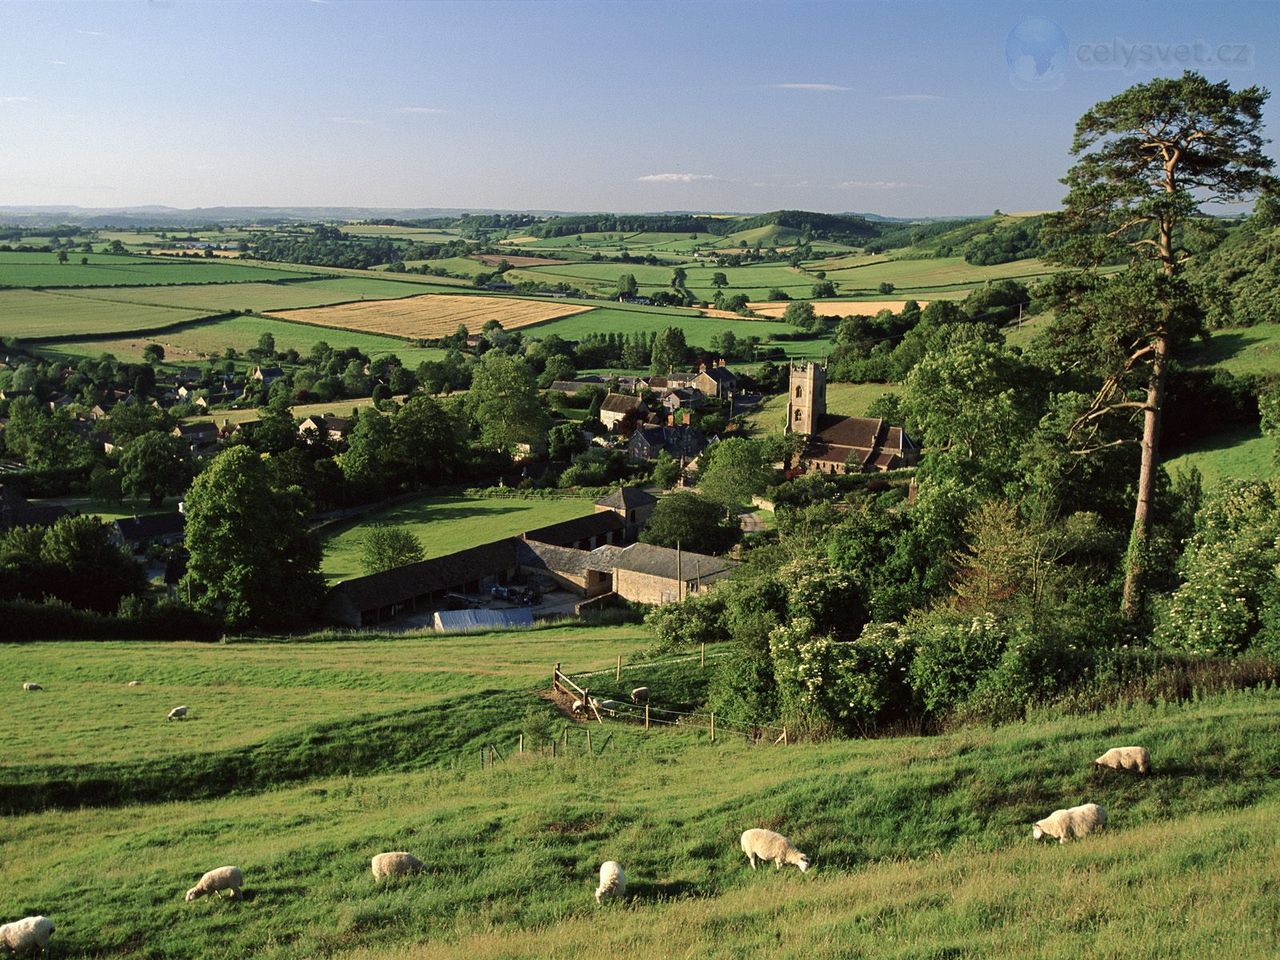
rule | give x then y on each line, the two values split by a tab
1135	560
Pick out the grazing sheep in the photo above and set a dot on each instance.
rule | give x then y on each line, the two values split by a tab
769	846
610	706
395	864
217	880
1125	758
640	695
1072	823
177	713
28	935
134	683
31	687
613	882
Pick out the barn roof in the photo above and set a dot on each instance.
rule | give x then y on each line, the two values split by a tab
627	498
569	532
427	576
664	562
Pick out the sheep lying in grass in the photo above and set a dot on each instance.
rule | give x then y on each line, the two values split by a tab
1125	758
395	864
579	707
640	695
31	687
613	882
28	935
769	846
217	880
1072	823
134	683
177	713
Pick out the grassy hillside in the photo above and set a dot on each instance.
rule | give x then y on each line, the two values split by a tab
43	270
921	846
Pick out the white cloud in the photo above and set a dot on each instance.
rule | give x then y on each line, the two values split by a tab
676	177
419	110
91	33
15	100
912	97
355	120
58	63
819	87
877	185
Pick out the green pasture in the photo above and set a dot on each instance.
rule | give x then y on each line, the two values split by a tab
1238	453
755	281
203	340
1241	350
43	270
922	275
225	297
448	524
37	314
921	846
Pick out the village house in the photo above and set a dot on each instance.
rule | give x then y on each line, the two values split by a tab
681	441
266	376
17	511
200	437
687	397
715	381
838	445
332	428
632	504
617	406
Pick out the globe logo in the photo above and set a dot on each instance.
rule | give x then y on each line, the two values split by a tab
1036	50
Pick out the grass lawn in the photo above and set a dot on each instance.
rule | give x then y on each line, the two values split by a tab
211	339
110	510
448	524
921	846
1240	453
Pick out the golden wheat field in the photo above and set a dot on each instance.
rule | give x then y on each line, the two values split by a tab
835	308
431	315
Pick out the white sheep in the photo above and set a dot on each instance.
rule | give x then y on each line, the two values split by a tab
613	882
640	695
609	706
31	687
768	846
217	880
579	707
1072	823
28	935
1125	758
395	864
177	713
134	683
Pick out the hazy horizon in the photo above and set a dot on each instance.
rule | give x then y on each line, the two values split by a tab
904	110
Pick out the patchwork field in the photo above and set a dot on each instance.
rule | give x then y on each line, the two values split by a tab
836	308
433	315
43	270
202	340
448	524
37	314
755	281
928	274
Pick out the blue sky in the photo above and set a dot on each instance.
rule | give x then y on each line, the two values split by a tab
902	108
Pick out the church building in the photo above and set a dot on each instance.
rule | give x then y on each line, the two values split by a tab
841	444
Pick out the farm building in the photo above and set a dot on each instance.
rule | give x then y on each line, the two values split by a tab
632	504
469	621
841	444
140	532
381	596
617	406
583	533
643	573
715	381
198	436
17	511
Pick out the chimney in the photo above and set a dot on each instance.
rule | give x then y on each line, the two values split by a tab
671	419
722	363
686	418
702	368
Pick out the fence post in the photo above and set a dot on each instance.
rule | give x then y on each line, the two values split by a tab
704	655
553	749
555	677
521	743
713	728
617	677
646	716
564	742
588	740
785	741
482	758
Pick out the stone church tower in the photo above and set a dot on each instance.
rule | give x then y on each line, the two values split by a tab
806	398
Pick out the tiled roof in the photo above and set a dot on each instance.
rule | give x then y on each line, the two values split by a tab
427	576
569	532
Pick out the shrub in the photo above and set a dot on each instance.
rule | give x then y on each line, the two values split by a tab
952	655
